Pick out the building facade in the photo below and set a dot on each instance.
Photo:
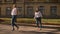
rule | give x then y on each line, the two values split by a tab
26	8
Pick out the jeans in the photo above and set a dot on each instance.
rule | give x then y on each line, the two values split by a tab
13	21
38	22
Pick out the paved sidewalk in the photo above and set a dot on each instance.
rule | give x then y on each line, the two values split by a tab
25	29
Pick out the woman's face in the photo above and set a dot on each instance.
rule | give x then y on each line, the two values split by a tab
14	6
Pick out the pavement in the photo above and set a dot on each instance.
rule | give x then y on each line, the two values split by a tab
30	29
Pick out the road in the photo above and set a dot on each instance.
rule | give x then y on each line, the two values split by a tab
25	29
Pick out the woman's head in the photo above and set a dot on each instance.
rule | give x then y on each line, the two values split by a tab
14	5
36	9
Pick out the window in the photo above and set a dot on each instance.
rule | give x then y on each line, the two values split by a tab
0	11
0	1
8	0
19	8
53	1
20	11
42	9
30	3
53	10
47	0
19	0
59	1
29	0
41	0
8	11
30	11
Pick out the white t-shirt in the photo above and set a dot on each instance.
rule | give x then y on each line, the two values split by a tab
14	11
38	14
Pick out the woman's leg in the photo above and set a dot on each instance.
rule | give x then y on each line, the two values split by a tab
15	22
37	22
12	22
16	26
40	22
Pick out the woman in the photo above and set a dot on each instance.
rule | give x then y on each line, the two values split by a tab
38	16
14	16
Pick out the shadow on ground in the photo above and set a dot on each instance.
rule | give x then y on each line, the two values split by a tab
34	25
34	32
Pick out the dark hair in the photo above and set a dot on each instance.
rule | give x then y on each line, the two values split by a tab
15	5
37	11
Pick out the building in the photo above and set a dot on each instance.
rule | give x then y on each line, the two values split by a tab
26	8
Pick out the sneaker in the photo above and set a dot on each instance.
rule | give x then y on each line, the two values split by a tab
13	29
17	28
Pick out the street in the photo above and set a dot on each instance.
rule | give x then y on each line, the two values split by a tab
47	29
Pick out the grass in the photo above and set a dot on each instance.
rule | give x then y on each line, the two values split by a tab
53	21
31	20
